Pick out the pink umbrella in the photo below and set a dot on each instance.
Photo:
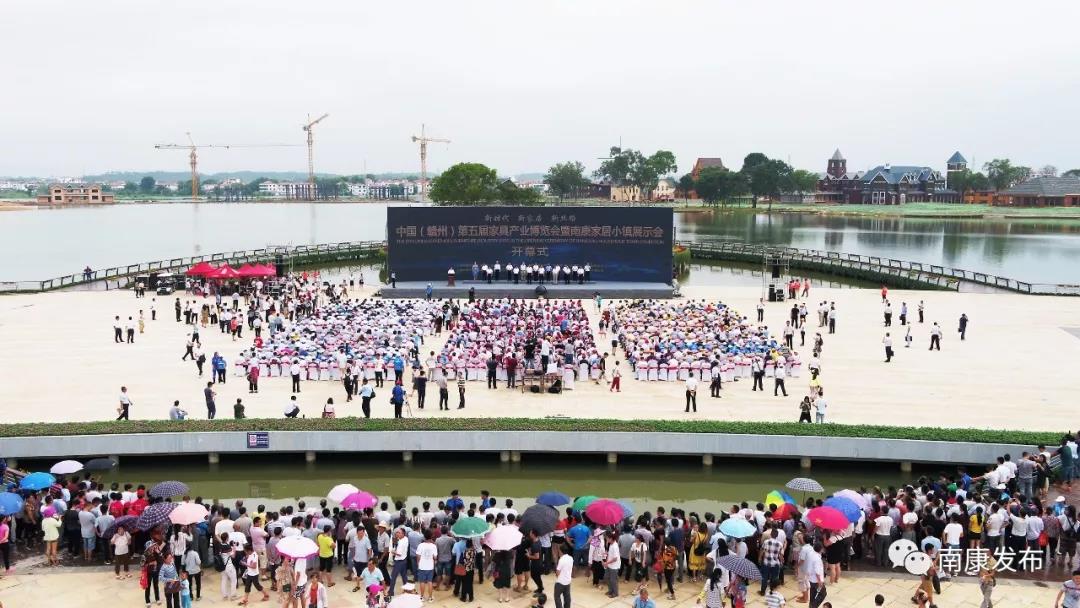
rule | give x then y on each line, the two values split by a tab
605	512
828	518
503	538
188	513
359	501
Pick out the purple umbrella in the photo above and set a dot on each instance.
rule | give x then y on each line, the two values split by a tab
124	521
155	515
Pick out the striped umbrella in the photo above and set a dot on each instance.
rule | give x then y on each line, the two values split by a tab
805	484
740	566
126	521
778	497
169	489
155	515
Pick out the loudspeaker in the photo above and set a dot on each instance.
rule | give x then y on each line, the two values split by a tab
772	292
279	264
776	271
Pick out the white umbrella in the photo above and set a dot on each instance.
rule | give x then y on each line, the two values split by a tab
406	600
66	467
339	492
297	547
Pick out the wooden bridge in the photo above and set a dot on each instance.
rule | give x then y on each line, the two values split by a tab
895	273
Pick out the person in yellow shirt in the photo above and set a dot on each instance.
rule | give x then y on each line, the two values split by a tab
326	543
975	527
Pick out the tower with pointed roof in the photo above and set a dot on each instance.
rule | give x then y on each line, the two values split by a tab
956	164
837	165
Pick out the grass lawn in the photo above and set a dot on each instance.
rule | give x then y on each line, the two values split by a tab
930	209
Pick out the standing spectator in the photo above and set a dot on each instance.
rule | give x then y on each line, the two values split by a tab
209	394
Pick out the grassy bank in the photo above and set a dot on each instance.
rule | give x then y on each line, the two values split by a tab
940	210
532	424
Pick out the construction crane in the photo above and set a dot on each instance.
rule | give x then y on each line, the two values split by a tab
193	158
424	140
311	153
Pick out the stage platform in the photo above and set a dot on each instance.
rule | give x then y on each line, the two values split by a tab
610	290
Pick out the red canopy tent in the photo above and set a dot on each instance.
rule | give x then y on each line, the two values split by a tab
249	271
200	270
268	270
223	272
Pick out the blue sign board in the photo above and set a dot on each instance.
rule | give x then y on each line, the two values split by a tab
258	439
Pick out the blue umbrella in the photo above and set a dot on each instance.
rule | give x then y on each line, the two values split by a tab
737	527
930	541
627	510
10	503
37	481
553	499
846	506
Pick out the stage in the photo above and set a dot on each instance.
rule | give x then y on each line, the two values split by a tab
609	290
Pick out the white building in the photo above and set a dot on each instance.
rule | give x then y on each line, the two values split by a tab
359	190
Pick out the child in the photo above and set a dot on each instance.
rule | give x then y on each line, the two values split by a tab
185	590
373	599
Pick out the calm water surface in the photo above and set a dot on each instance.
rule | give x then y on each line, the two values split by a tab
643	482
50	242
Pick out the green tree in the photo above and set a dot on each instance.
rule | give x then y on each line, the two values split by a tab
465	184
1003	174
511	194
717	184
968	181
130	188
751	161
566	179
146	185
686	185
769	179
803	181
617	167
647	172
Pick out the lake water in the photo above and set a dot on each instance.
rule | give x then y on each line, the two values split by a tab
643	481
45	243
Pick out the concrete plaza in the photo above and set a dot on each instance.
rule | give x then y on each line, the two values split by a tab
1014	371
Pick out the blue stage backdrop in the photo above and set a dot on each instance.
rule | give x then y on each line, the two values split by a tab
619	243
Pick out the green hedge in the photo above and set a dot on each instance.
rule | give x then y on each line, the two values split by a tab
532	424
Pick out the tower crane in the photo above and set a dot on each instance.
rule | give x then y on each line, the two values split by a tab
310	153
424	140
193	158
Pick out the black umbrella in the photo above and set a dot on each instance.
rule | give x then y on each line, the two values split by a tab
155	515
169	489
127	521
541	518
99	464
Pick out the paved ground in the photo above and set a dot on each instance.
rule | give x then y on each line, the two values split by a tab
1014	371
96	586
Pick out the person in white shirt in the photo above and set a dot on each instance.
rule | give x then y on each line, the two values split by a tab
292	409
819	407
400	557
564	571
815	574
953	532
426	553
294	371
691	393
883	525
778	378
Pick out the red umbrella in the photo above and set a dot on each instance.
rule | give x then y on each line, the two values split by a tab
605	512
785	512
200	270
224	272
828	518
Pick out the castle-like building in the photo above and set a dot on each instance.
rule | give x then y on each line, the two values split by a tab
888	184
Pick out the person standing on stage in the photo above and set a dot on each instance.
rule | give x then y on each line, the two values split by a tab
517	274
497	269
588	273
475	271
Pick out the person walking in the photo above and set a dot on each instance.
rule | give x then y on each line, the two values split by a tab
118	331
366	394
758	374
211	407
691	393
124	410
616	377
444	390
887	341
778	379
963	326
420	388
397	398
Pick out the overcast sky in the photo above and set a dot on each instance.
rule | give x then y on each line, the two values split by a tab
519	85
